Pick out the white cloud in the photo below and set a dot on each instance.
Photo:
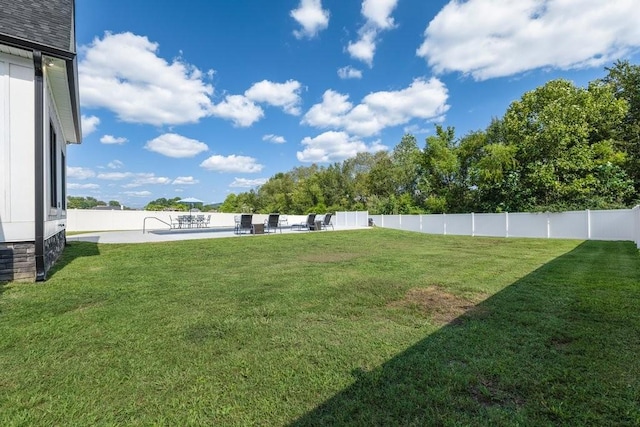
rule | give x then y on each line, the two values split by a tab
415	129
487	39
365	48
378	18
80	173
176	146
115	176
349	72
232	163
123	73
89	124
185	180
138	193
141	179
276	139
334	147
74	186
116	164
311	17
238	108
247	183
110	139
423	99
378	12
285	95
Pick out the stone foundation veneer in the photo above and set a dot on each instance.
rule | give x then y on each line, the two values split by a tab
18	259
53	248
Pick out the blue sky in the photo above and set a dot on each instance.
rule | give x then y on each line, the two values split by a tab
207	97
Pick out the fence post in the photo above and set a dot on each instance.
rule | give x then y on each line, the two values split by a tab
588	224
637	221
548	226
473	225
444	222
506	224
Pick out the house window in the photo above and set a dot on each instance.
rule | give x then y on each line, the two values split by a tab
53	167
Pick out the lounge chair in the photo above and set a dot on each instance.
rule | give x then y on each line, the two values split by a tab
326	222
272	223
309	224
245	224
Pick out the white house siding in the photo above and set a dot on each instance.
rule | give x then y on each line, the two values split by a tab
17	203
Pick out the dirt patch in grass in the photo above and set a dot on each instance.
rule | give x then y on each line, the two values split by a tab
488	393
328	257
441	306
560	343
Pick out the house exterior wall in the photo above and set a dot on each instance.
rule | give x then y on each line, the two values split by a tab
17	203
17	172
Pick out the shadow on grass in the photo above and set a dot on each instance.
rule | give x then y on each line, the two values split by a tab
557	347
72	251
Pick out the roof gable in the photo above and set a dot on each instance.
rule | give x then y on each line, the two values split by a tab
44	22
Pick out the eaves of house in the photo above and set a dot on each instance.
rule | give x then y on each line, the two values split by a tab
44	30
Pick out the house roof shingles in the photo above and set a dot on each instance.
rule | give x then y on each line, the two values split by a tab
44	22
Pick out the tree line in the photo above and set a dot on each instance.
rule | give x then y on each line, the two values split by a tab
164	204
559	147
74	202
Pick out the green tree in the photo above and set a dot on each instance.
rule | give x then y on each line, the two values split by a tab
624	79
275	194
406	165
563	136
440	170
83	202
163	204
230	204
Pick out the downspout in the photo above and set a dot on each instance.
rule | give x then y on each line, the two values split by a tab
39	165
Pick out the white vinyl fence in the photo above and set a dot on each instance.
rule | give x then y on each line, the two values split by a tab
622	224
122	220
351	219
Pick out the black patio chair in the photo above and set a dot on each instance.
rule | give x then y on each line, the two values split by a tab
245	224
272	223
309	224
326	222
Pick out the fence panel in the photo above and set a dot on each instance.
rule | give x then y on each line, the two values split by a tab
433	224
352	219
459	224
610	224
568	225
528	225
393	221
490	224
411	222
362	218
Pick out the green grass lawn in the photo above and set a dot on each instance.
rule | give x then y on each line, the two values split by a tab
368	327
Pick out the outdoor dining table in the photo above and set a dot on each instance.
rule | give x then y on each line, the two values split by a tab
191	221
